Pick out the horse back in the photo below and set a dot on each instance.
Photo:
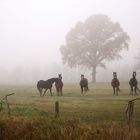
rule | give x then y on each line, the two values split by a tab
44	84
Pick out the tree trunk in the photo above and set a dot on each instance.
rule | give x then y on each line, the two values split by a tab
93	74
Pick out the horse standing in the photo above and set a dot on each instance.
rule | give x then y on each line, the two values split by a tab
46	85
115	84
59	85
84	84
133	84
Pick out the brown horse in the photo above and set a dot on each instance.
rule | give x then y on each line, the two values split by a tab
59	85
46	85
84	84
115	84
133	84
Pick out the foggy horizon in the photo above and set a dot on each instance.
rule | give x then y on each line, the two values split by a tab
32	31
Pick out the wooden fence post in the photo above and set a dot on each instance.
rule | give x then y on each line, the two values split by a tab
6	101
56	109
129	111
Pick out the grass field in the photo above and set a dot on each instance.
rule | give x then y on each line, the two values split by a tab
97	105
95	115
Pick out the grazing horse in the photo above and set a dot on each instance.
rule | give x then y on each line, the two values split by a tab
46	85
84	84
133	84
115	83
59	85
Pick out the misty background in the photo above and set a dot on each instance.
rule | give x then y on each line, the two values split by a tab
32	31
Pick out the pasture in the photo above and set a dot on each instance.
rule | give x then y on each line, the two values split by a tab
96	106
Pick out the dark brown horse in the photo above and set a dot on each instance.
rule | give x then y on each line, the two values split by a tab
46	85
115	84
59	85
84	84
133	84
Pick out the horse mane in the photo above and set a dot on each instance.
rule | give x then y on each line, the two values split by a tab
52	79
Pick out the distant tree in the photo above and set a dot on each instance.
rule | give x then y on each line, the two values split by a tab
93	42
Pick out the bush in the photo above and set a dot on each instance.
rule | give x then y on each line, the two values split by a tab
18	128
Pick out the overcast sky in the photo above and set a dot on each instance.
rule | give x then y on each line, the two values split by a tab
32	31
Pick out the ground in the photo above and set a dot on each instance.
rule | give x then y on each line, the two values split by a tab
97	105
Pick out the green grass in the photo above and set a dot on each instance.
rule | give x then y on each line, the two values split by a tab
96	106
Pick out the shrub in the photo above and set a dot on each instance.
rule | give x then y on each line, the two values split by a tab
19	128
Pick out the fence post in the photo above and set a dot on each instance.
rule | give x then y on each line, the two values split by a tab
6	101
56	109
129	111
8	106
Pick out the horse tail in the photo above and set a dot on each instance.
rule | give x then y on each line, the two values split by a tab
118	89
38	87
87	87
137	88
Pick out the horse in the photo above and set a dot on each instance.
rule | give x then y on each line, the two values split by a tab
115	84
46	85
59	86
133	84
84	84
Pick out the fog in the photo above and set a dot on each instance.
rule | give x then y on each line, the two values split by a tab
32	31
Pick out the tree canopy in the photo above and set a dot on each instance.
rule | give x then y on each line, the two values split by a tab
93	42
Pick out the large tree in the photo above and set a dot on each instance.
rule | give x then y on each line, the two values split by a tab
93	42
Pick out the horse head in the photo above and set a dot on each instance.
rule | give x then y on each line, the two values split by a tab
82	76
134	74
115	74
60	76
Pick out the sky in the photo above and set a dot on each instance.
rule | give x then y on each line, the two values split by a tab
32	31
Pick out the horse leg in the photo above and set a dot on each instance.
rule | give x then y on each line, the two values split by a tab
40	91
51	91
135	89
87	88
81	89
84	89
61	91
45	91
117	90
58	91
114	90
131	90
